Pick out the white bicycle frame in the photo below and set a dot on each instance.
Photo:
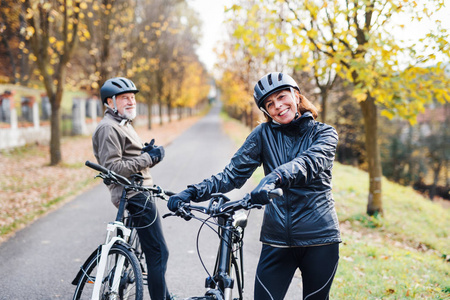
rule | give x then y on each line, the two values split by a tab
111	228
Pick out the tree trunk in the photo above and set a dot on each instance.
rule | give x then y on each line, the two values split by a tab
169	110
160	112
55	135
369	110
324	96
436	170
150	113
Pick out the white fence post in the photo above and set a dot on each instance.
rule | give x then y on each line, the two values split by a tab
36	115
79	116
13	120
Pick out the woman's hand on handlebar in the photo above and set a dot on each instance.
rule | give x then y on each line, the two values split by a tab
260	195
185	196
182	211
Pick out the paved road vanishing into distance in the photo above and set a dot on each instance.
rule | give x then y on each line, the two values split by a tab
40	261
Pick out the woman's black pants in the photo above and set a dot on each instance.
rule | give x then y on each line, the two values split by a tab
277	266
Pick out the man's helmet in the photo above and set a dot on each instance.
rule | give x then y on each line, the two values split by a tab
116	86
271	83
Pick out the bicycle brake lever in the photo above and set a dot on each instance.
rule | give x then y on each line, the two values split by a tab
257	206
185	214
168	215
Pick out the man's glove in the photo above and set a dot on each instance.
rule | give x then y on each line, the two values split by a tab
156	152
260	195
184	196
148	147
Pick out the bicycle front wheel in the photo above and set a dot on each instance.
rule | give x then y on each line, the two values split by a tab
130	283
137	249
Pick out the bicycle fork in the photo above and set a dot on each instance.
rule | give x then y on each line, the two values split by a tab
222	280
111	227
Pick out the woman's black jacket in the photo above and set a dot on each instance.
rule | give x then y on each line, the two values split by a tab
302	152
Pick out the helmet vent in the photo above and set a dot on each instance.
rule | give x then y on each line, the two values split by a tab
280	76
260	85
269	78
116	84
124	82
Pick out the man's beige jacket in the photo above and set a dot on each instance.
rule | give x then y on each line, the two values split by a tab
117	147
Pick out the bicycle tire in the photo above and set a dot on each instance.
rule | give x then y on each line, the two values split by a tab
236	275
131	282
137	249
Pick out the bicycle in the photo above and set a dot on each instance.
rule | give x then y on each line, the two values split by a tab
231	221
115	269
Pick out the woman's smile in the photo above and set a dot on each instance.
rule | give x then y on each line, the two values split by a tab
282	106
283	112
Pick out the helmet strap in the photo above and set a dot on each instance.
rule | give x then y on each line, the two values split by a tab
265	111
114	102
115	105
293	94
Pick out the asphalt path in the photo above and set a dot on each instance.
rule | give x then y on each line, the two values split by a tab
40	261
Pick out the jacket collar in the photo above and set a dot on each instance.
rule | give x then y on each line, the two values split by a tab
121	120
297	124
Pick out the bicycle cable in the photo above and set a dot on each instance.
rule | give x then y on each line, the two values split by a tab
142	212
206	222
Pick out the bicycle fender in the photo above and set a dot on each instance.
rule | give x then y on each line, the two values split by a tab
126	245
83	267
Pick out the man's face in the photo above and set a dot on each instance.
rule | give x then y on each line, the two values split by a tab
126	105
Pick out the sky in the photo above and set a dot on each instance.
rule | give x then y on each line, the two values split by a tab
212	14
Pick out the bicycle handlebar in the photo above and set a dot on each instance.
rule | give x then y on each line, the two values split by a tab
113	177
223	205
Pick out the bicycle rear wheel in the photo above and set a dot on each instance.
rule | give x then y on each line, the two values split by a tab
131	283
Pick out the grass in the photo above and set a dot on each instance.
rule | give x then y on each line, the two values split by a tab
404	254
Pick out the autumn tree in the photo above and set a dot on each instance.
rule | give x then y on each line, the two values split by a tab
53	34
108	28
242	66
14	50
194	85
434	143
165	50
356	37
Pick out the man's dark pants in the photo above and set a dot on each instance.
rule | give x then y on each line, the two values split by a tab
148	223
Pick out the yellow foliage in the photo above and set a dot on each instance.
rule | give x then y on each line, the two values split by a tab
390	115
360	96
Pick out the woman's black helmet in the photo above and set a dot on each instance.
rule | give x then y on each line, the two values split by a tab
116	86
271	83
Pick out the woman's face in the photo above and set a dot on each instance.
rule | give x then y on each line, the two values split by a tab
281	106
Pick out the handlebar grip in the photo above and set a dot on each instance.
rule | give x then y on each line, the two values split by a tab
96	167
169	193
275	193
104	170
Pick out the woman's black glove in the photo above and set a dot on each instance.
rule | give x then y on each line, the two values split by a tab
156	152
260	195
184	196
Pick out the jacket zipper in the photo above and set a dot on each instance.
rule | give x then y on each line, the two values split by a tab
288	219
